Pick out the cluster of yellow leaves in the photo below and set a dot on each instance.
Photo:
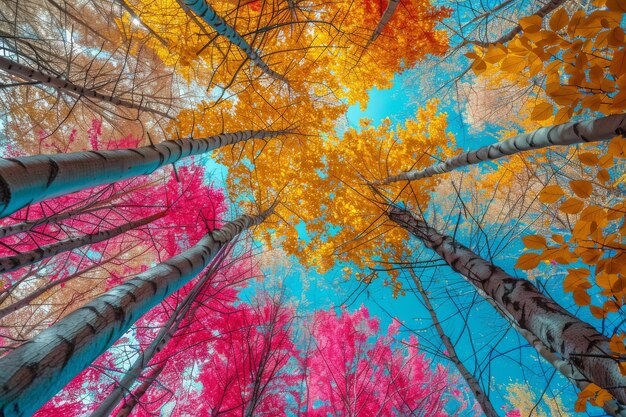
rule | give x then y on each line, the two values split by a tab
572	64
328	213
595	239
320	218
362	235
523	399
328	37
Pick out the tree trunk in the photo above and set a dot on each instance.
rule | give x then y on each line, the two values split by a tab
385	18
595	130
479	393
38	369
203	9
168	330
31	179
68	87
576	341
132	401
564	367
22	259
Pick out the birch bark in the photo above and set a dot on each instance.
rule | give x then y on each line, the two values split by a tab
385	18
31	374
574	340
31	179
64	86
596	130
203	9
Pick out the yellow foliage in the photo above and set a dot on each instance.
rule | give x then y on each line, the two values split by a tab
582	57
522	398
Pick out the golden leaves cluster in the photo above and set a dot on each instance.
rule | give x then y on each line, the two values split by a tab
572	64
595	240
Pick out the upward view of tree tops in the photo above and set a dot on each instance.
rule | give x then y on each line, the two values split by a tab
310	208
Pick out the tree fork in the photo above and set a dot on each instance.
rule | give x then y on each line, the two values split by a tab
68	87
596	130
576	341
30	179
38	369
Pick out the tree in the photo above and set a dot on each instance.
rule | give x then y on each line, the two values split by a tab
87	332
350	370
577	341
602	129
53	175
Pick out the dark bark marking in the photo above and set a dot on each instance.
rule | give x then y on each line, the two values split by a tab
93	310
5	191
54	171
117	311
98	154
70	349
135	151
17	161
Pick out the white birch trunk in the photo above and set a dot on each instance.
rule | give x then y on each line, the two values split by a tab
35	371
30	179
30	74
204	10
596	130
22	259
385	18
168	330
574	340
564	367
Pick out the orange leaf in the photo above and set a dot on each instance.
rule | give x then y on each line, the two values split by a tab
542	111
617	147
559	19
597	312
571	206
550	194
479	66
618	63
558	238
602	396
527	261
576	278
588	158
582	188
534	242
531	24
603	175
581	297
616	6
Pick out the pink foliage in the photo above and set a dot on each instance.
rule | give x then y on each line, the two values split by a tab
352	370
248	368
94	134
192	207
